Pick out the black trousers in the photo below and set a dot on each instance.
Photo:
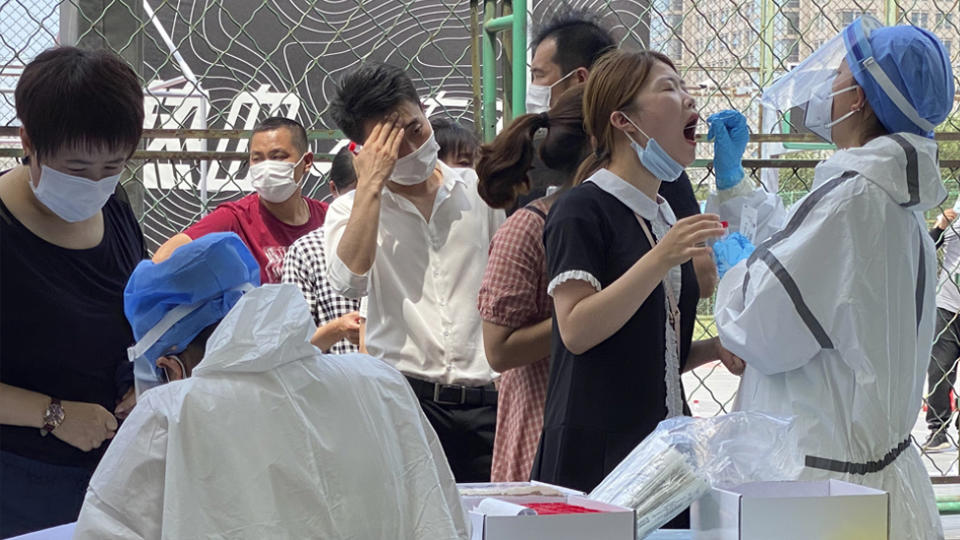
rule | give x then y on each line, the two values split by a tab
942	372
37	495
466	433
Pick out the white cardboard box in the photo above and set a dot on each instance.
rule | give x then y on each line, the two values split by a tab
471	501
826	510
613	523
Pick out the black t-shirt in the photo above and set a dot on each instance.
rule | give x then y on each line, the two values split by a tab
602	403
62	328
680	195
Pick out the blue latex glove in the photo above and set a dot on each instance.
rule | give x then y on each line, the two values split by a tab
729	133
731	250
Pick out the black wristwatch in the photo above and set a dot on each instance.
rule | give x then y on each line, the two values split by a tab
52	417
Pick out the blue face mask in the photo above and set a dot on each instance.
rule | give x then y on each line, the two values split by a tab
654	157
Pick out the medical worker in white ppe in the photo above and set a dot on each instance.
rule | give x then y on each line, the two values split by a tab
265	436
834	314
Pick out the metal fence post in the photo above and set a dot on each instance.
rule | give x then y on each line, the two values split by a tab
516	24
519	39
489	66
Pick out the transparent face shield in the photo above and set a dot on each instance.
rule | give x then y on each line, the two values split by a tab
797	87
804	96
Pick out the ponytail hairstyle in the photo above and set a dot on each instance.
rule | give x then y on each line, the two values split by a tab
505	162
614	82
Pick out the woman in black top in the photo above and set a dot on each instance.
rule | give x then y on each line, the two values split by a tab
616	357
68	246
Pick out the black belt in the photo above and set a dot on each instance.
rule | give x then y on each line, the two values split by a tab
454	394
857	468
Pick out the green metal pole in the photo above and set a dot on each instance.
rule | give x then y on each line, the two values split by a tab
519	57
498	24
890	12
506	68
948	508
489	69
767	13
517	24
475	36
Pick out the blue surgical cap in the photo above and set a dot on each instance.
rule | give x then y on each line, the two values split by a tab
208	273
918	65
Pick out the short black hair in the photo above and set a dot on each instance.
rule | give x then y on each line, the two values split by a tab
453	137
342	173
580	38
193	353
75	97
298	134
368	92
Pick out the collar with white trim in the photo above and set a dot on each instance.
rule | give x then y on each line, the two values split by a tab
631	197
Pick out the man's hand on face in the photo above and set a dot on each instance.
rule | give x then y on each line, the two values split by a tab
376	159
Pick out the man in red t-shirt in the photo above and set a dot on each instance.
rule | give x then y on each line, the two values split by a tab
277	214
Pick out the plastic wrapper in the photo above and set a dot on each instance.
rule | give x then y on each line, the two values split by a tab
769	214
683	457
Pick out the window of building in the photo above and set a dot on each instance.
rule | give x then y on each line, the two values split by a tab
674	50
787	50
794	52
820	22
793	21
847	16
920	18
674	22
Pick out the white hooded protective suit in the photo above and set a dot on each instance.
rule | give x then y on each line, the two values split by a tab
834	316
270	438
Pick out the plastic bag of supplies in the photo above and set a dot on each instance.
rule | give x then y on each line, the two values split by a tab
683	457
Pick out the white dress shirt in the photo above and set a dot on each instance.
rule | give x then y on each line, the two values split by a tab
422	289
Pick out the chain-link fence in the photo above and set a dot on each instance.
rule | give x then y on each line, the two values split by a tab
211	69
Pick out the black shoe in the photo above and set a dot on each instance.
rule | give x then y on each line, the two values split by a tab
937	442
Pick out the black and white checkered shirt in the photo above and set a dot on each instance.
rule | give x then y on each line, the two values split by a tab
305	267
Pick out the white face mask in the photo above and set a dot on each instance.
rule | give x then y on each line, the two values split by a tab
415	167
273	179
73	198
819	110
653	157
538	96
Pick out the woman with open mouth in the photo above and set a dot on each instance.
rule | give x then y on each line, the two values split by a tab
619	271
